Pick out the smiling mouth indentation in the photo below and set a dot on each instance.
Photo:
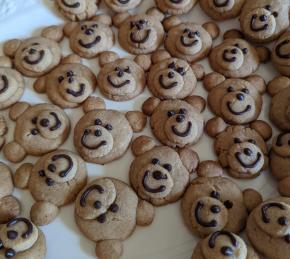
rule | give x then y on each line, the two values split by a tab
123	1
190	44
78	93
173	84
143	40
34	62
252	165
222	4
126	82
279	52
159	189
247	109
91	147
5	84
184	133
91	44
176	1
75	5
255	28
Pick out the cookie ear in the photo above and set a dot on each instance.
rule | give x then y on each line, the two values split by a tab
233	34
69	27
119	18
137	120
5	62
284	187
10	47
263	128
107	57
171	22
10	208
264	54
209	168
40	85
258	82
197	102
42	213
215	126
212	28
143	61
22	175
150	105
277	85
212	80
189	159
252	199
198	71
142	144
109	249
145	213
71	59
94	103
103	18
53	32
155	14
160	55
14	152
17	110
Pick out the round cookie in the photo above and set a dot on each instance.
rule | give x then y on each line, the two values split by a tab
222	244
241	149
234	58
222	9
268	228
54	181
107	211
264	20
39	129
176	123
237	101
159	174
89	38
77	10
68	85
102	136
120	6
175	7
20	238
120	79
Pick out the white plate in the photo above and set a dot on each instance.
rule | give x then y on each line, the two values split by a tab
167	237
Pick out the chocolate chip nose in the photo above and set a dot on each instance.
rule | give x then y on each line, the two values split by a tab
180	118
263	18
157	175
234	51
191	34
215	209
89	31
248	152
98	133
44	122
171	74
120	73
240	97
32	51
283	221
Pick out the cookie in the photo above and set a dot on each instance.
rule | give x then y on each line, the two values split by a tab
214	203
102	136
89	38
279	89
3	131
140	33
263	21
175	7
159	174
120	6
237	101
68	85
107	211
11	84
223	244
120	79
9	205
281	54
189	41
54	181
20	238
241	149
268	228
77	10
39	129
172	78
222	9
176	123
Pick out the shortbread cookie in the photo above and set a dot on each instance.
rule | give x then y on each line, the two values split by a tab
241	149
159	174
68	85
265	20
54	181
120	79
20	238
222	9
77	10
89	38
39	129
120	6
176	123
223	244
107	211
268	228
102	136
175	7
237	101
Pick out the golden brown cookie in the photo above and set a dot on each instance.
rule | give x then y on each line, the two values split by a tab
120	6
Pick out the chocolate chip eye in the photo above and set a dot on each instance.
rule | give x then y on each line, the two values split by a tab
197	33
98	122
69	73
41	173
142	21
127	70
215	195
170	113
275	14
283	221
181	71
268	7
109	127
34	120
95	25
245	90
182	111
114	208
237	141
168	167
171	65
155	161
98	133
186	30
84	27
252	141
97	204
245	51
230	89
60	79
237	45
228	204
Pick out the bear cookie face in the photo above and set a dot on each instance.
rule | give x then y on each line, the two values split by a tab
120	6
265	20
270	221
20	238
175	7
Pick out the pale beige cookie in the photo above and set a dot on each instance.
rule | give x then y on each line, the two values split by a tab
20	238
39	129
120	6
175	7
107	211
268	228
77	10
265	20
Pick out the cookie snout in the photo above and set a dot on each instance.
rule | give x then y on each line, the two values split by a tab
189	42
232	58
281	145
